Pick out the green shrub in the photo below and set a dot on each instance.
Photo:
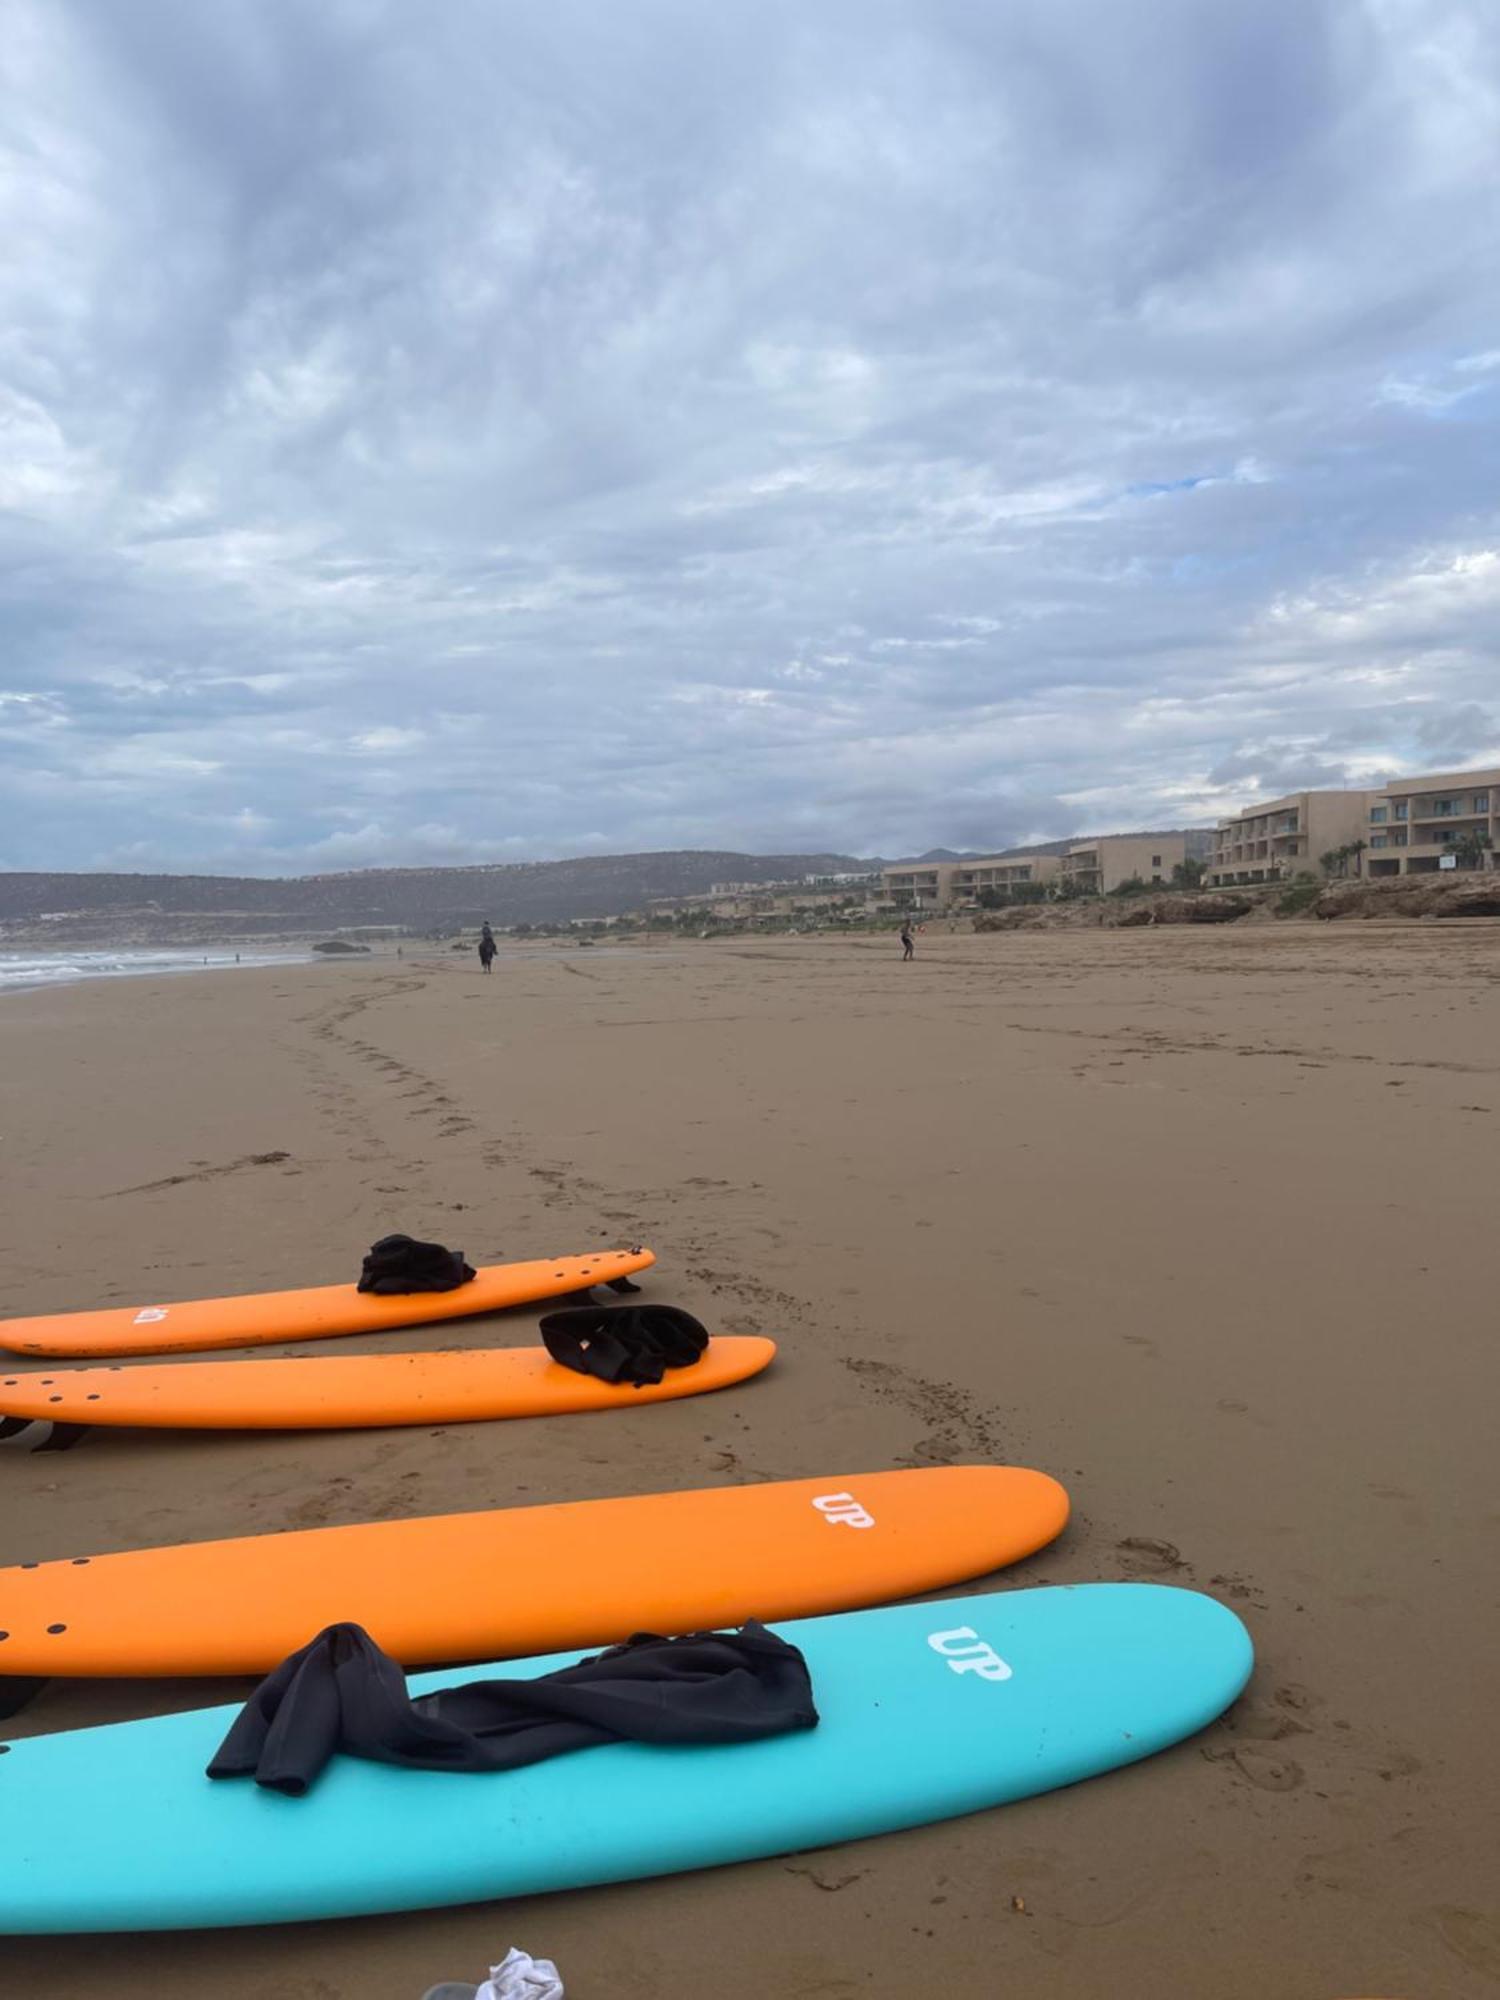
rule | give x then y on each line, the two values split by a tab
1302	894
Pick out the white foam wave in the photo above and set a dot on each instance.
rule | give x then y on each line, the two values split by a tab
20	969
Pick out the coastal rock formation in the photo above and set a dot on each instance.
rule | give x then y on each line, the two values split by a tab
1024	917
1122	913
1446	895
1410	897
1211	907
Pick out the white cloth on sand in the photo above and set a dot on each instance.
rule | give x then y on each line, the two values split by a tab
521	1977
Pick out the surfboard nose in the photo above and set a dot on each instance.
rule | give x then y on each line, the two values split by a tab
1019	1509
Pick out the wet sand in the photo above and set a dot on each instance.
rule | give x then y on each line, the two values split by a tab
1202	1223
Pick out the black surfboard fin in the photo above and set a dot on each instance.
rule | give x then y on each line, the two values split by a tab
16	1690
51	1436
64	1437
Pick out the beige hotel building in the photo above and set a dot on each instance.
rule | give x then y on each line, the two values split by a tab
1095	867
1274	842
938	885
1407	828
1003	871
1413	824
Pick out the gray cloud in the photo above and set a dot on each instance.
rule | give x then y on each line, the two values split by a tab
449	433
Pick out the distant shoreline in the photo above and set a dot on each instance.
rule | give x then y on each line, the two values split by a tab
30	971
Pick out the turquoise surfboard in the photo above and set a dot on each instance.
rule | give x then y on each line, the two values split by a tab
928	1711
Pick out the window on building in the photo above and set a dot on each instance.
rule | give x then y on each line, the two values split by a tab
1377	814
1156	861
1481	802
1401	810
1380	840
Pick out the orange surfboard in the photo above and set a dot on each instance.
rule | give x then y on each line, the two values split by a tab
352	1391
259	1319
527	1580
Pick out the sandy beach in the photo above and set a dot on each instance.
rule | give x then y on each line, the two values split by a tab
1201	1223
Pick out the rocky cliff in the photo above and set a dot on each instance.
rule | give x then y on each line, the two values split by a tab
1406	896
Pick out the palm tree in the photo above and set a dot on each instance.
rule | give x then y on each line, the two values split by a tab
1470	848
1355	849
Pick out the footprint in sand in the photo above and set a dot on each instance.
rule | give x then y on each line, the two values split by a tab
1268	1770
1341	1869
1148	1553
1291	1694
1265	1721
1471	1936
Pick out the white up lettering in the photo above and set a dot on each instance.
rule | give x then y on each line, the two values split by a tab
842	1509
966	1653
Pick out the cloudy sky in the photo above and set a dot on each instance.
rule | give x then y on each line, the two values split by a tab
494	430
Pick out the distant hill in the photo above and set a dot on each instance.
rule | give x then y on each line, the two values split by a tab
176	909
935	854
74	908
1199	842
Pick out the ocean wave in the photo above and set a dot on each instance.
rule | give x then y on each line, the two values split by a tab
20	969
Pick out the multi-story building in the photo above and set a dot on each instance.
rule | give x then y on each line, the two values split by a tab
1413	823
1272	843
1003	872
1095	867
918	885
939	885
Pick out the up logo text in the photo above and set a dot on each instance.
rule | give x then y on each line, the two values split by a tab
964	1652
842	1510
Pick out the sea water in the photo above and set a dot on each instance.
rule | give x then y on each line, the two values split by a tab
22	969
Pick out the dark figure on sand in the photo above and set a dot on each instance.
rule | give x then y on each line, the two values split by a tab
486	948
908	943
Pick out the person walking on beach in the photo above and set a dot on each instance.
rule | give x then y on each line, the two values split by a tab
486	948
908	942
